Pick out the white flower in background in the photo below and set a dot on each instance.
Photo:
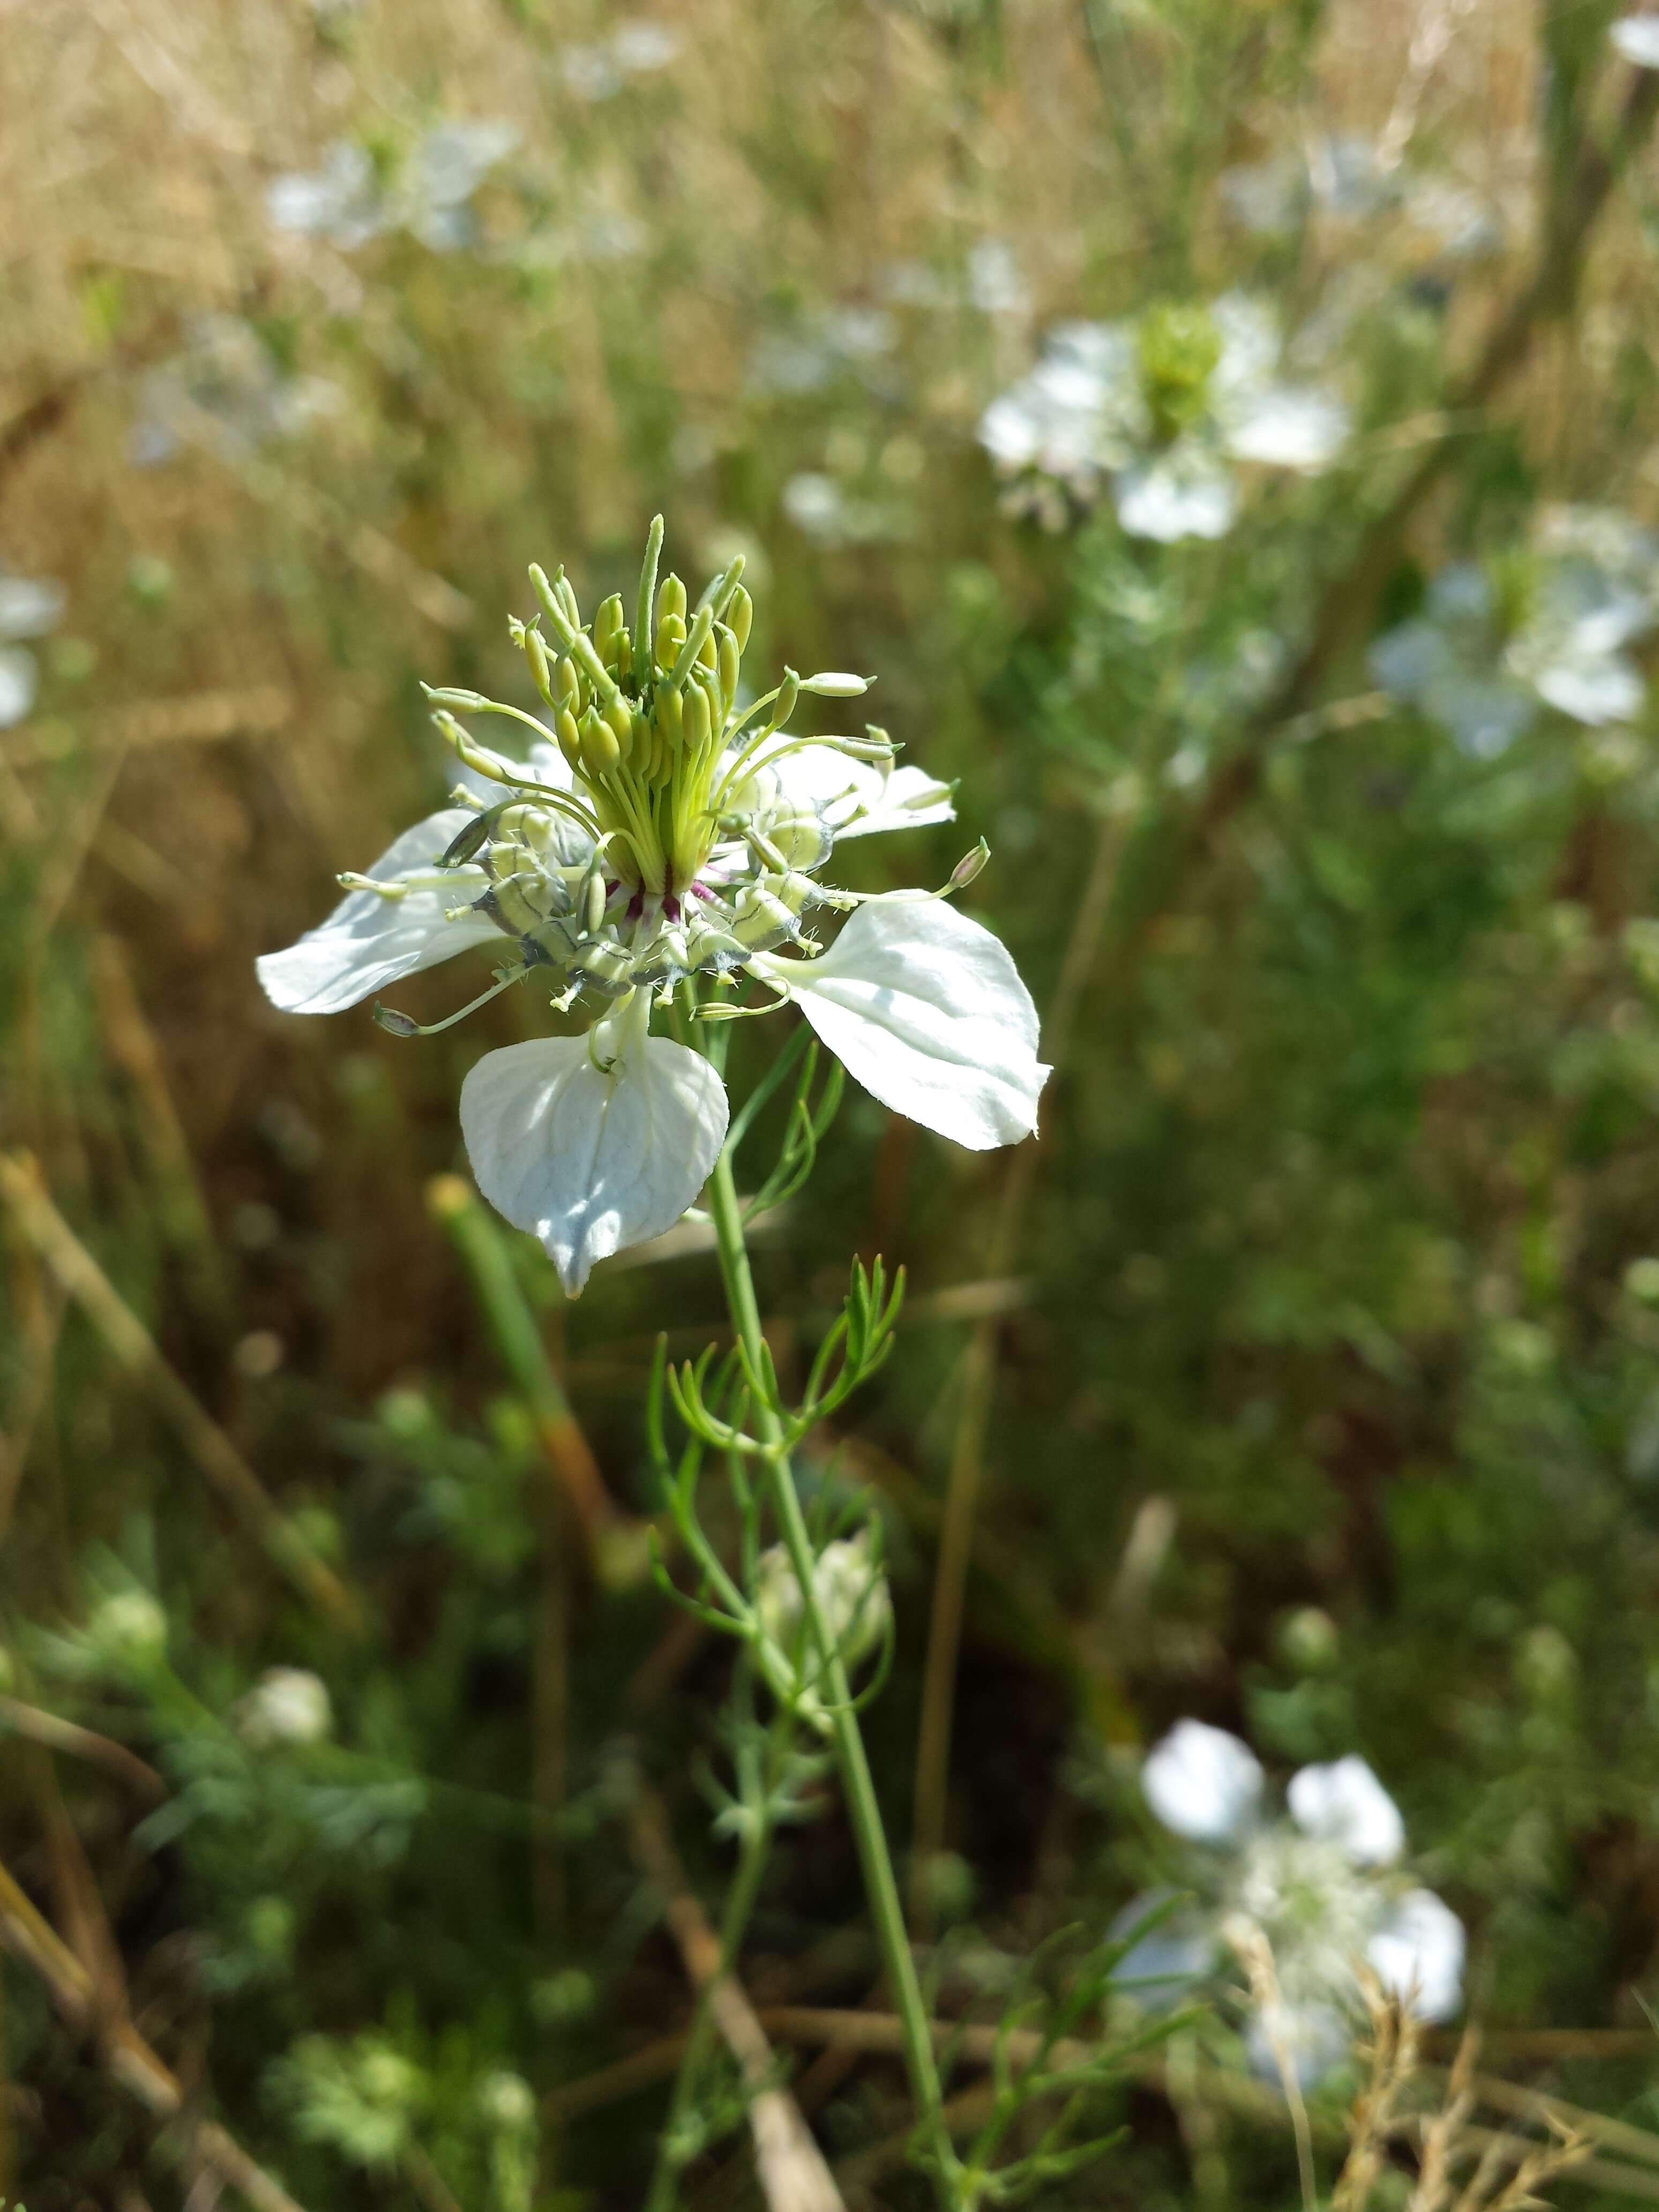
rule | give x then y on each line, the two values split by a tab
1322	1888
1545	627
601	71
817	348
1164	407
1349	179
226	391
660	832
1636	38
285	1705
30	607
352	197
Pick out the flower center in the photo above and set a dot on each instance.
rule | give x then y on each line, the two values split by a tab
1179	346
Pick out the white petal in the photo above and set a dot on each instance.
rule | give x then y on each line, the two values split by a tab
925	1009
1160	1969
1202	1783
1593	687
855	797
1418	1954
1288	427
368	941
1636	39
30	605
1314	2038
1182	495
590	1161
1345	1803
19	682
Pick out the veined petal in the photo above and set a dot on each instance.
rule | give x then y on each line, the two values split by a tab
592	1160
852	795
1345	1804
1417	1954
925	1009
1287	426
1203	1782
369	941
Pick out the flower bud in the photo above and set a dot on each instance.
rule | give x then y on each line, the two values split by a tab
853	1599
671	636
708	652
730	661
129	1629
607	628
453	695
286	1705
741	615
594	902
600	751
834	684
670	715
506	2102
969	866
541	671
672	601
568	684
696	717
569	737
620	715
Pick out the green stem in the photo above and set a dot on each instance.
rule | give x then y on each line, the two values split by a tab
734	1920
858	1789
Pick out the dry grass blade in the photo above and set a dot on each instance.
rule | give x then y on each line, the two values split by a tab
24	1193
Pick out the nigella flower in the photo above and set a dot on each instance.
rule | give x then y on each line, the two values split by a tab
30	607
1164	407
226	391
1546	627
1323	1888
660	839
353	198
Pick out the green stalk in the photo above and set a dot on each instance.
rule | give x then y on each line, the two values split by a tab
734	1921
881	1885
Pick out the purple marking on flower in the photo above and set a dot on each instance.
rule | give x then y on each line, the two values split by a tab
671	907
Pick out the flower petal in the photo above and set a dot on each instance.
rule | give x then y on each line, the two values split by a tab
925	1009
1181	495
1344	1804
1160	1968
592	1161
1313	2039
369	941
909	800
1418	1954
19	682
1287	426
1202	1783
1636	38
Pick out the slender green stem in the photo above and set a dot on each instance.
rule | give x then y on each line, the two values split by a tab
734	1921
881	1886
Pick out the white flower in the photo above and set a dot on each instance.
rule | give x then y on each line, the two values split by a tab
1636	38
286	1705
226	391
1547	628
348	200
669	836
29	607
1165	406
1318	1889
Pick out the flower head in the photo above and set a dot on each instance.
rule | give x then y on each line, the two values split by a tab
1320	1890
664	839
1164	407
426	188
1546	627
285	1705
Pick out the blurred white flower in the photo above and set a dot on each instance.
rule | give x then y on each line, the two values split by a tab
350	198
600	70
1546	627
817	348
1636	38
30	606
285	1705
227	392
1164	407
1318	1889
